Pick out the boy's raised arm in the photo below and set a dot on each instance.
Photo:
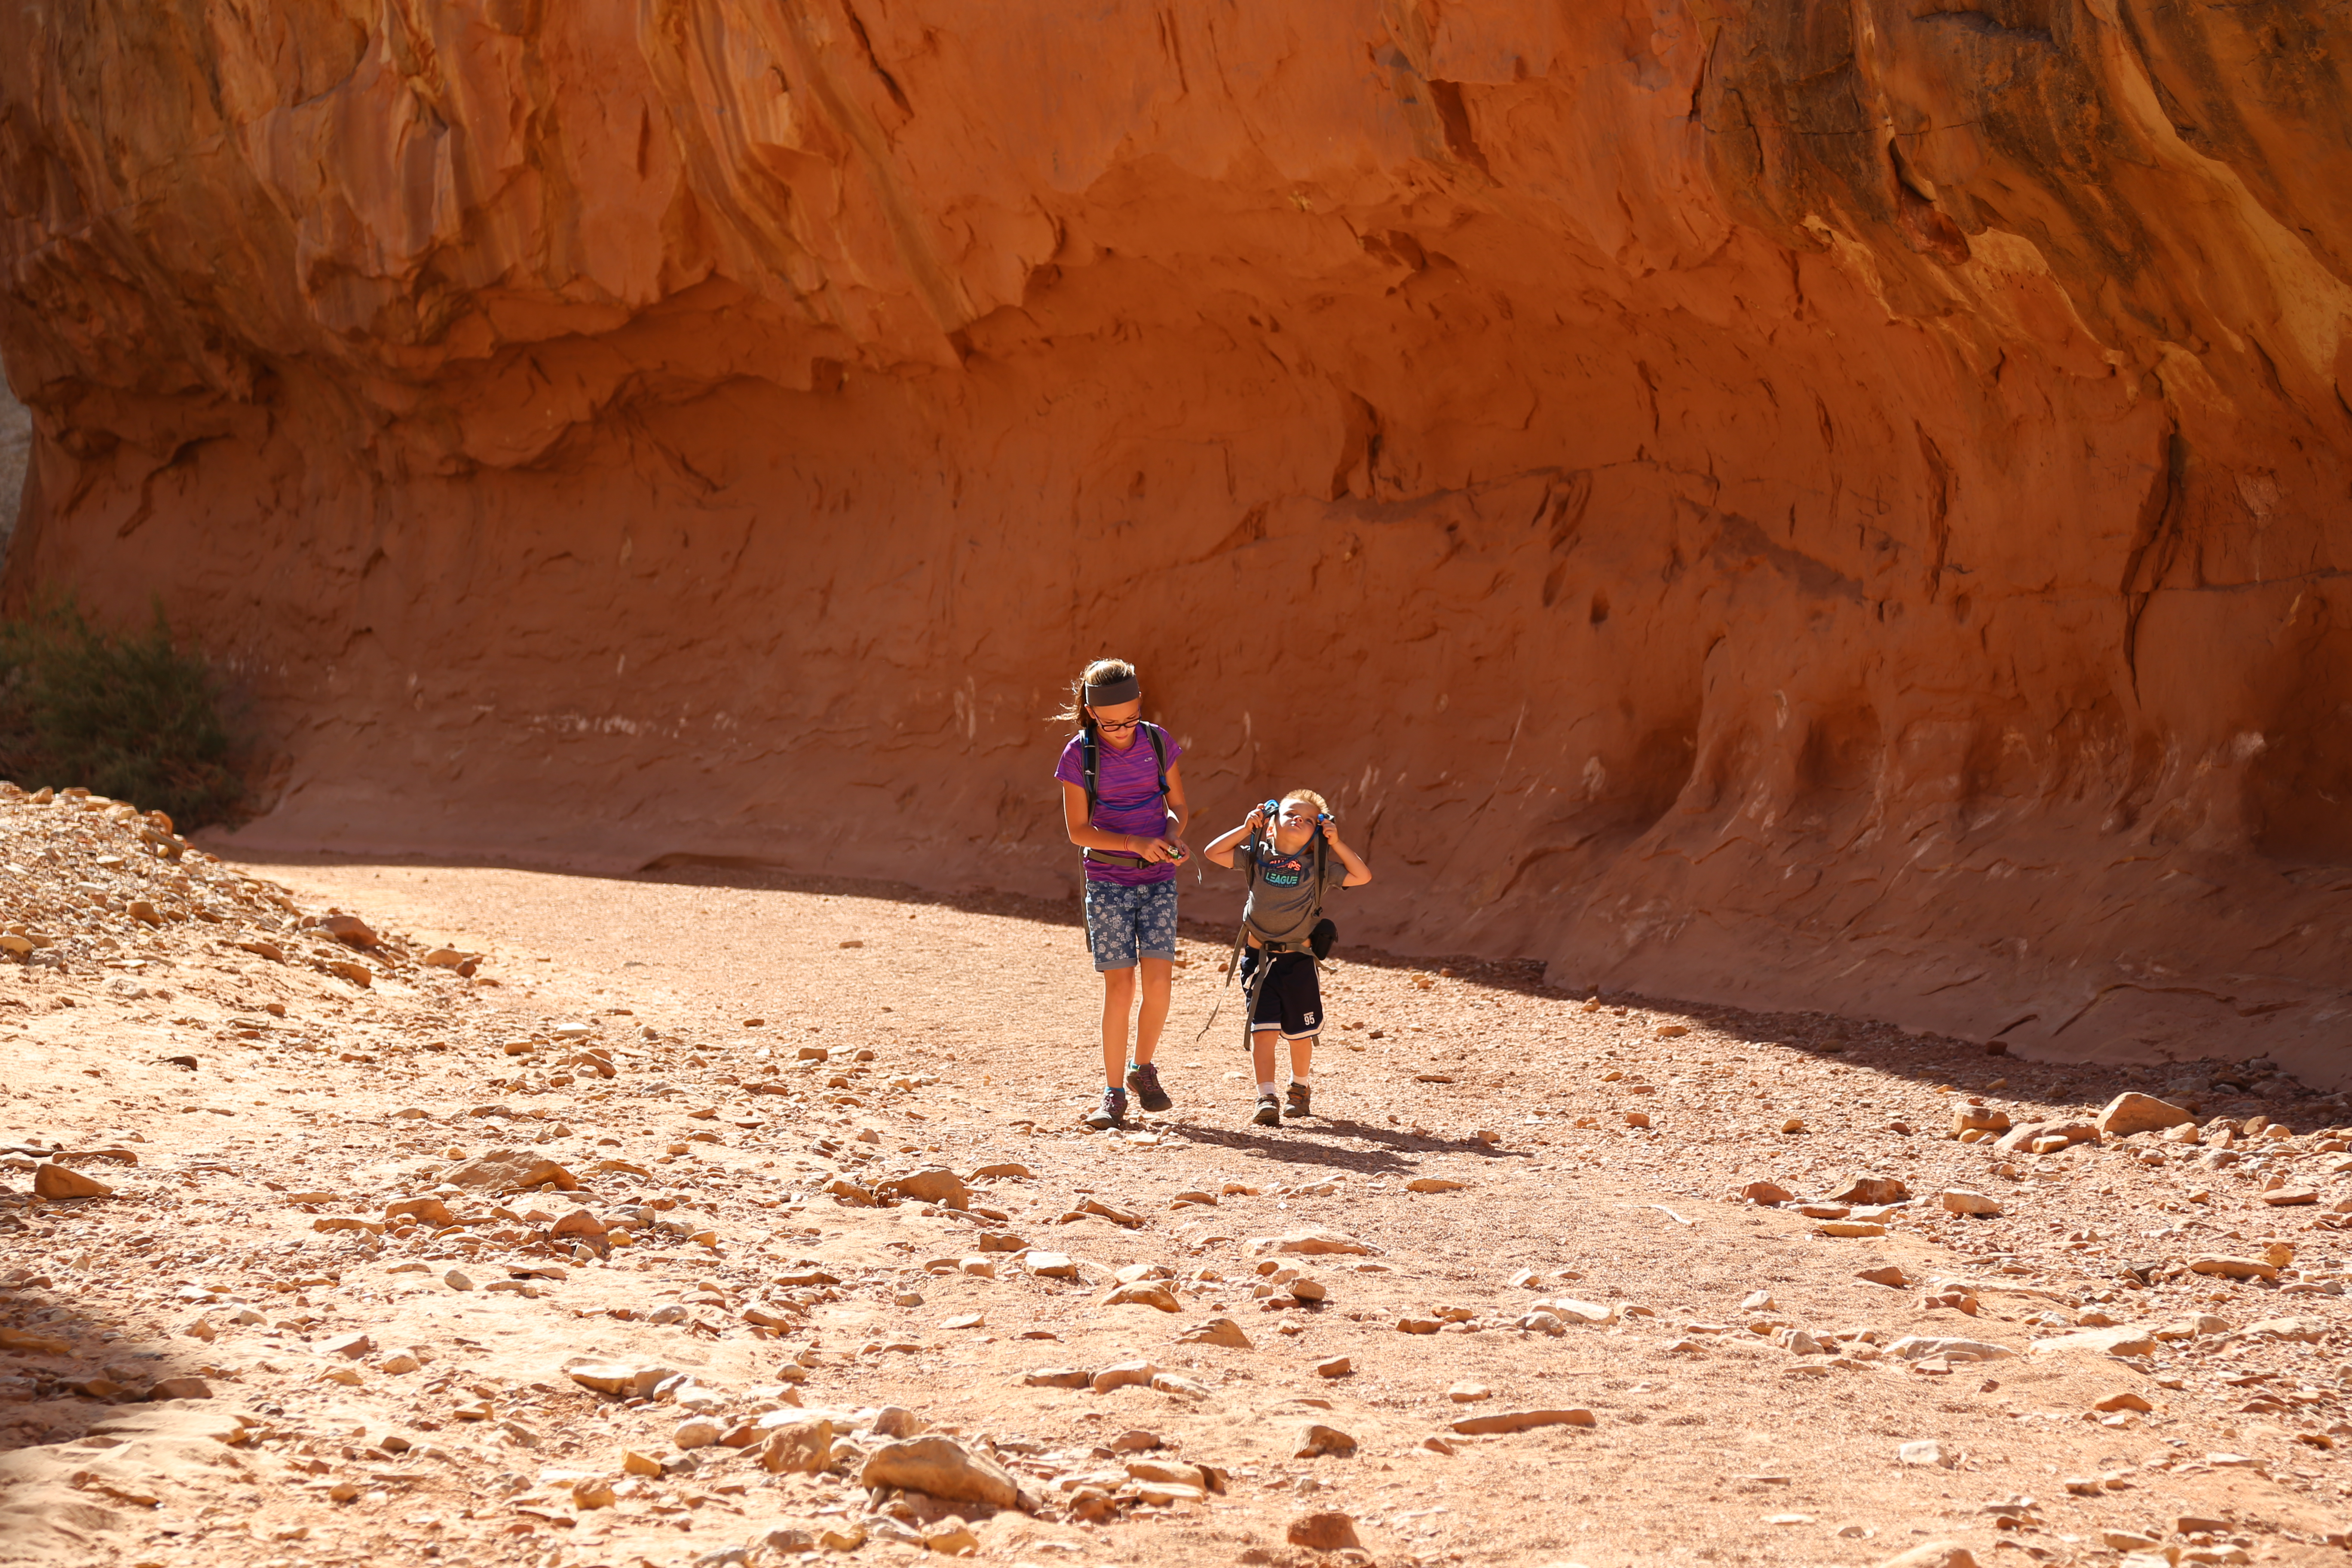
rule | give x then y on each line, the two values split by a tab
1220	849
1358	872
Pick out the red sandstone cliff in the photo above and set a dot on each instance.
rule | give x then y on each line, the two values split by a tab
1789	502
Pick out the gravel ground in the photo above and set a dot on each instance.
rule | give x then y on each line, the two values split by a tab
732	1068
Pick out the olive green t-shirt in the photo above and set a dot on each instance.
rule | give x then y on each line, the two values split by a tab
1283	902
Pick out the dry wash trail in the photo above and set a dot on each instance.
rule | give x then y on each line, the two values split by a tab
721	1220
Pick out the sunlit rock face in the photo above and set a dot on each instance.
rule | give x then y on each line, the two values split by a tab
1799	504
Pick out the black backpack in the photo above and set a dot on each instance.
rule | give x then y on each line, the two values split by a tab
1087	751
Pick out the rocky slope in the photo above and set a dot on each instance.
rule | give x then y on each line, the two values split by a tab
1786	502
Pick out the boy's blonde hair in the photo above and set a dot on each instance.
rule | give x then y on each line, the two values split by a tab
1322	807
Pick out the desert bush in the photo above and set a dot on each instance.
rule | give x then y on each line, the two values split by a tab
131	716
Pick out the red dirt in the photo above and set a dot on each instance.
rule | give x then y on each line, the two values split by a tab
1705	1430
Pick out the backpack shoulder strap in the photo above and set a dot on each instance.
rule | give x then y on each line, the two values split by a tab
1087	754
1158	755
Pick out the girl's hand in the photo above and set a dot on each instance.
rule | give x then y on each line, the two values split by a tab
1154	851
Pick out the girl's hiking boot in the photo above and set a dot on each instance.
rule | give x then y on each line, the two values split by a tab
1269	1111
1144	1079
1295	1103
1111	1113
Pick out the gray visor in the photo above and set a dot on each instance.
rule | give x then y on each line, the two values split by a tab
1113	693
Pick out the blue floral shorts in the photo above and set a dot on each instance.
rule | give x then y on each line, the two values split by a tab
1123	922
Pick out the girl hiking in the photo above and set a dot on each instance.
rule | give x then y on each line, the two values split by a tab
1123	803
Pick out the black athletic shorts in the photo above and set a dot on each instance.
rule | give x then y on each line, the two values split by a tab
1292	997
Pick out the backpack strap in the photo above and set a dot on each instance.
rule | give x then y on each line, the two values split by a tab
1159	757
1092	760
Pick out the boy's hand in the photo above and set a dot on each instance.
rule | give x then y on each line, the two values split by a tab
1256	819
1330	833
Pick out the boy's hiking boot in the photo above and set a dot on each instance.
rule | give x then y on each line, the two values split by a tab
1111	1113
1295	1103
1144	1079
1269	1111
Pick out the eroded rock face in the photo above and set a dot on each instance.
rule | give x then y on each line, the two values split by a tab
1801	504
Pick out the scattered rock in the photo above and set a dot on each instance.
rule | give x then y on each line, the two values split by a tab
1921	1347
941	1468
1850	1227
1934	1554
1058	1377
1469	1393
2034	1133
1428	1185
934	1185
1925	1451
1144	1293
2119	1342
1522	1421
352	1346
181	1388
1887	1274
1337	1367
1959	1200
1052	1265
1771	1194
2228	1268
617	1379
510	1171
2290	1197
1870	1190
1305	1290
53	1180
1978	1119
1326	1531
2129	1113
2123	1400
1315	1243
1124	1375
1316	1440
1217	1331
799	1445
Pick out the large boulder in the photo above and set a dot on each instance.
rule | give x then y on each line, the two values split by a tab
941	1468
510	1171
2130	1112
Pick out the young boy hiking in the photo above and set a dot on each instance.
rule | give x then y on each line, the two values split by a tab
1123	803
1292	869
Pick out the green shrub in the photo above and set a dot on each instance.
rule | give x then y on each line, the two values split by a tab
130	717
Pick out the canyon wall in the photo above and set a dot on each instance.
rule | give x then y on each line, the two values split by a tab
1796	503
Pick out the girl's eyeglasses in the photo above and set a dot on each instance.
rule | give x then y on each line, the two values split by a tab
1116	723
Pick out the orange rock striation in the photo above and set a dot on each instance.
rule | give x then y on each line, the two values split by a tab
1788	503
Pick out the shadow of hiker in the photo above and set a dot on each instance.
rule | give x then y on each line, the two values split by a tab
1369	1150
